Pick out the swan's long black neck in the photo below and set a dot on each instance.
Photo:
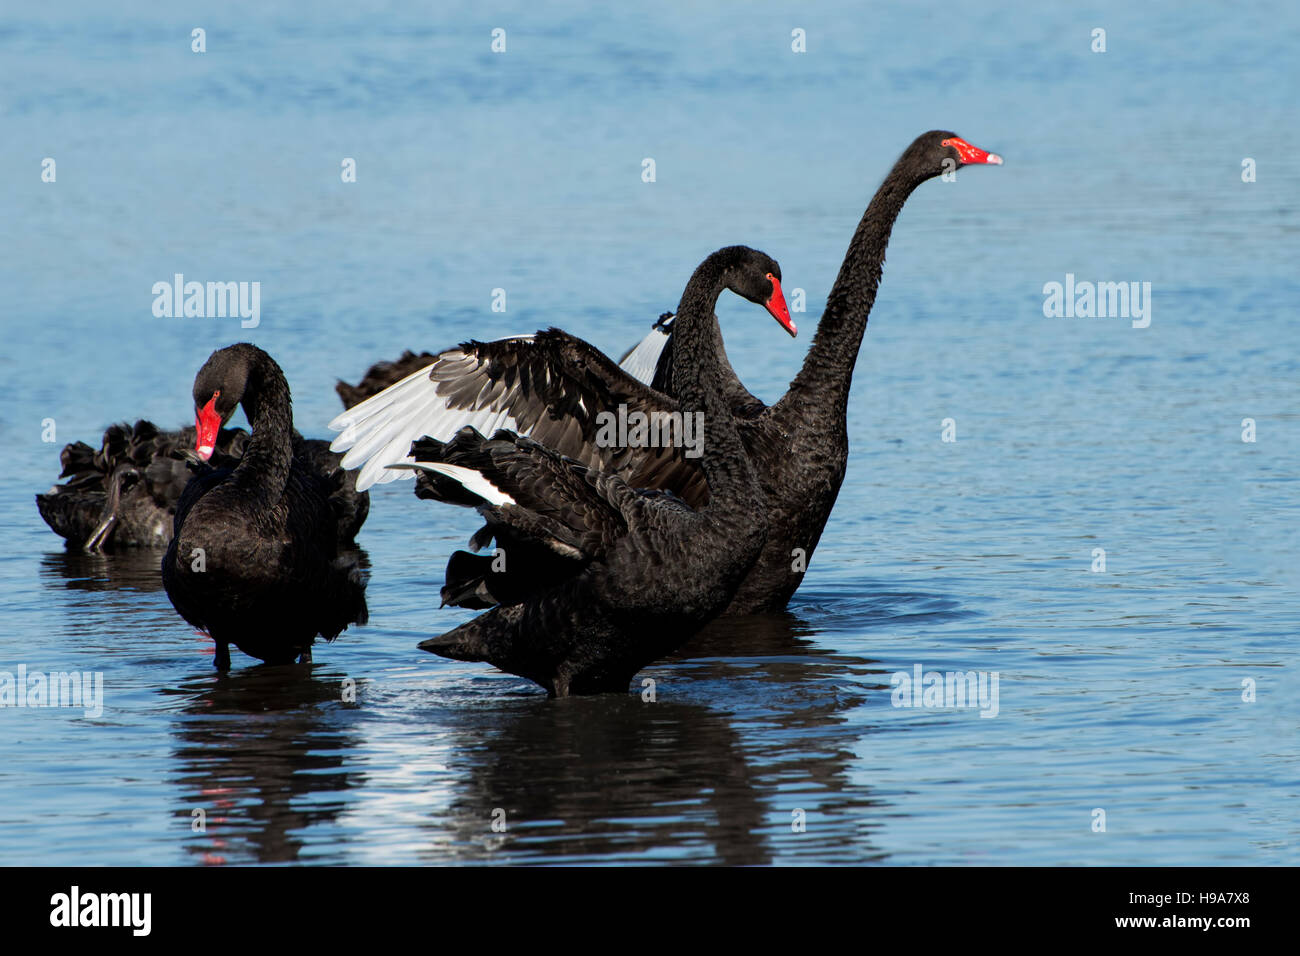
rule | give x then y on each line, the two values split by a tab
827	370
267	403
699	382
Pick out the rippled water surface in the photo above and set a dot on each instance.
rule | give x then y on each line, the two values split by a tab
771	739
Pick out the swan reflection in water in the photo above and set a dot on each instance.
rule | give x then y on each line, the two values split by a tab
748	727
751	722
134	570
262	751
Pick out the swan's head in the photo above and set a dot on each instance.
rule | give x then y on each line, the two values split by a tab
218	389
940	151
756	276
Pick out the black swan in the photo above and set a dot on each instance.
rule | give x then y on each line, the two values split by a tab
799	444
254	559
124	495
605	578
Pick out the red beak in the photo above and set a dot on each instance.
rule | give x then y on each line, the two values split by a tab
776	305
971	155
207	423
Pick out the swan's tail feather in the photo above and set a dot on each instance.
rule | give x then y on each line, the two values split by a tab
465	643
467	581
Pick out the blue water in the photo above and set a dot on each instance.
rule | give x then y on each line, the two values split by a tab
1120	691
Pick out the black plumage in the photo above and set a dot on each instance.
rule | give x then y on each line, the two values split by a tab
125	494
799	444
255	559
600	578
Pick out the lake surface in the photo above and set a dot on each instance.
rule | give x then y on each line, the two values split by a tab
1160	690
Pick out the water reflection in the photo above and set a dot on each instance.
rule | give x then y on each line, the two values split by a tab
583	779
804	711
136	569
132	570
262	751
748	737
751	753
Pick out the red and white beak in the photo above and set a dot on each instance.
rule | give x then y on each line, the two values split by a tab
776	305
207	423
972	155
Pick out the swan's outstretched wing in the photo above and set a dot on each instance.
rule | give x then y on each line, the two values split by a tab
551	387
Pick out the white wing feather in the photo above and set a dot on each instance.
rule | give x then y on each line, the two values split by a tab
642	361
470	479
378	432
